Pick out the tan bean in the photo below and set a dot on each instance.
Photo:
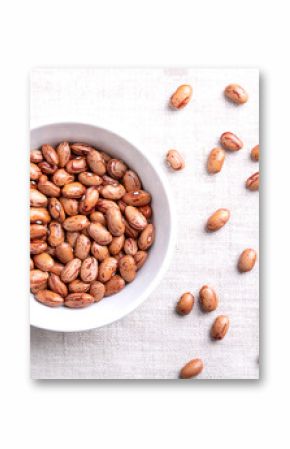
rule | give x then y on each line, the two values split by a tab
191	369
103	205
50	154
216	160
43	261
122	206
106	157
128	268
75	223
71	238
99	233
35	172
57	268
208	299
98	217
37	199
89	201
118	257
247	260
56	285
70	205
33	185
130	247
82	247
56	209
78	300
218	219
51	251
81	149
78	286
37	246
77	165
96	163
89	179
115	223
116	168
38	278
236	93
64	252
62	177
146	211
255	153
114	285
107	269
111	192
36	156
89	269
97	290
130	232
49	298
73	190
131	181
85	232
47	168
220	327
100	252
47	187
64	153
39	287
38	231
117	245
252	182
137	198
146	237
185	304
39	215
108	181
175	160
181	96
140	258
135	218
56	234
71	270
231	142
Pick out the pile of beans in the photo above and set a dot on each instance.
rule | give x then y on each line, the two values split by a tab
90	224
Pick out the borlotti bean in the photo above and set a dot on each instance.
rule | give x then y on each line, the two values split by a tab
181	96
252	182
191	369
208	299
218	219
175	160
255	153
220	327
231	142
236	94
216	160
185	304
90	222
247	260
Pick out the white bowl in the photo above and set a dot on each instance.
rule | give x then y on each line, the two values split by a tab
117	306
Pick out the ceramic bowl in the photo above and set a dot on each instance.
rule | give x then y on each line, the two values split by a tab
117	306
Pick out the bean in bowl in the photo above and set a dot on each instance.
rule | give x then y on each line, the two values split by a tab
90	224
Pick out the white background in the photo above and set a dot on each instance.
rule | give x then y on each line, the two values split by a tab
87	414
154	342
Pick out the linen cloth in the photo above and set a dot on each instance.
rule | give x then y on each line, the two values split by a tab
153	342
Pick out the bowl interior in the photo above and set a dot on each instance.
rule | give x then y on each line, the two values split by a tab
114	307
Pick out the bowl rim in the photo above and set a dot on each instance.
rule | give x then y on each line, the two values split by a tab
155	165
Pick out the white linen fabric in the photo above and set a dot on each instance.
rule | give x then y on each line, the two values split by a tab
153	342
